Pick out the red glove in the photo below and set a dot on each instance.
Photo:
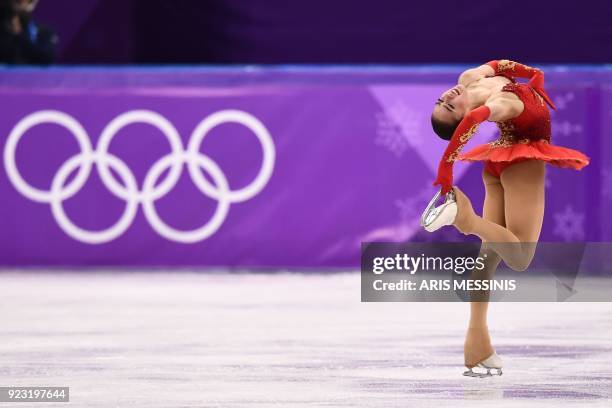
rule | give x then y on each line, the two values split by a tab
517	70
463	133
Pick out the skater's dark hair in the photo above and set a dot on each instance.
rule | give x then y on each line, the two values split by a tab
443	129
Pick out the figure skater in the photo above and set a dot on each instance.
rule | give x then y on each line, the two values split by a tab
513	176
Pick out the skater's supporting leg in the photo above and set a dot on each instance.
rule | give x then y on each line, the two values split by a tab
493	211
478	343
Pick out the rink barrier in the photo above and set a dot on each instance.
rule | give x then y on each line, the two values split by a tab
257	167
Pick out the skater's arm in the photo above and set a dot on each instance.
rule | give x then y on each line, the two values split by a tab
515	69
474	74
463	133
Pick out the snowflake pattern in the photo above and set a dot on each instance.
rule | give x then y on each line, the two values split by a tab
566	128
562	101
389	135
569	224
399	128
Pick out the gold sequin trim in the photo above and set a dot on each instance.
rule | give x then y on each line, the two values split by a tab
507	137
506	129
504	65
463	139
501	143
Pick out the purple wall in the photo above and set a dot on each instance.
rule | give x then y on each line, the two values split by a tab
343	156
339	31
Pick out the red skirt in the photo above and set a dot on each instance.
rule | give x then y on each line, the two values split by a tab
498	157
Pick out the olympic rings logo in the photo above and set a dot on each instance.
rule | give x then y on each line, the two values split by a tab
151	189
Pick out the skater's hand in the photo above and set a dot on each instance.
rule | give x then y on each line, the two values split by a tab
537	83
445	176
537	80
445	181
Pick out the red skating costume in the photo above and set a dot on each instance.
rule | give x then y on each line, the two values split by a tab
524	137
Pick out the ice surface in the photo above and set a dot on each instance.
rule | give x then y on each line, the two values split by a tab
292	340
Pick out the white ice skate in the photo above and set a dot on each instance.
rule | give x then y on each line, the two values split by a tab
483	369
434	218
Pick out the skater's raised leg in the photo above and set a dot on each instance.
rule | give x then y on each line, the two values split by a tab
523	192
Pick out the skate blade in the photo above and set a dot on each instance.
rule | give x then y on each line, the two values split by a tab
491	372
435	217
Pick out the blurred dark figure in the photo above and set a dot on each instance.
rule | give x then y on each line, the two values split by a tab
21	40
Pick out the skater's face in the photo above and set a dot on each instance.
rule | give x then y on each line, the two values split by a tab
452	105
